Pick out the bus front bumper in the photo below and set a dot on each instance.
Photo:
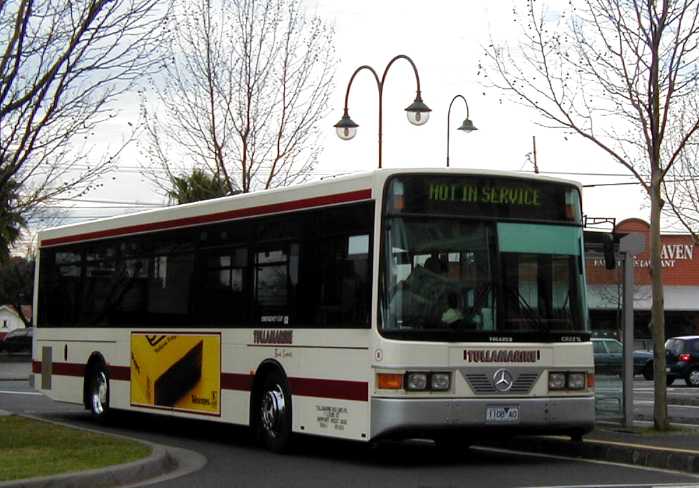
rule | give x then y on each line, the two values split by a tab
406	417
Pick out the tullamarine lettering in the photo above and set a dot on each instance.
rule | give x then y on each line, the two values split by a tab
501	356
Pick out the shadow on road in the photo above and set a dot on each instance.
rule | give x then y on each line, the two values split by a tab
388	454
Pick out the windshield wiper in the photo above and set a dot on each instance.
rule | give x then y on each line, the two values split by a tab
530	313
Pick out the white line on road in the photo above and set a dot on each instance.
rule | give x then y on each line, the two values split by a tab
625	485
674	405
4	392
596	461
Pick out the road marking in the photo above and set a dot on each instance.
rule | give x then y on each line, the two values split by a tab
625	485
595	461
674	405
4	392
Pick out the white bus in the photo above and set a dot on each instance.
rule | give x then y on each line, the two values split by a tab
442	304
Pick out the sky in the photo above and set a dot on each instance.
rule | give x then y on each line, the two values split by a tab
446	40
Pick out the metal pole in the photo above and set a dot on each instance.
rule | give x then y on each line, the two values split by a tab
630	245
380	84
628	339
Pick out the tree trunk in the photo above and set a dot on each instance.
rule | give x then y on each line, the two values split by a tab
658	307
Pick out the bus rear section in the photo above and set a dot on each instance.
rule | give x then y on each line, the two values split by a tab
482	314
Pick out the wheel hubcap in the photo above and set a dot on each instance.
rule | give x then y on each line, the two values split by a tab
99	393
694	378
273	410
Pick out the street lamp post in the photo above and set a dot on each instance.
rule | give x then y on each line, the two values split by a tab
466	125
418	113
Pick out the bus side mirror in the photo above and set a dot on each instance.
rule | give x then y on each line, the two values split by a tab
609	254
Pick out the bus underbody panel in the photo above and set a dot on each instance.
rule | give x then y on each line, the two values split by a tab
400	418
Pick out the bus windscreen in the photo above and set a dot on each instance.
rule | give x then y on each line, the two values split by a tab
456	269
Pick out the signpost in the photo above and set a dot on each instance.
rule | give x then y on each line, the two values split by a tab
630	245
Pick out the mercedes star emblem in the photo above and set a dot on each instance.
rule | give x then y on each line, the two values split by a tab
503	380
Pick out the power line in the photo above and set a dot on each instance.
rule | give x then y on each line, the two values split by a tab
613	184
81	207
116	202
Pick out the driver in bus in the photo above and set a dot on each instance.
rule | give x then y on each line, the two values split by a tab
452	315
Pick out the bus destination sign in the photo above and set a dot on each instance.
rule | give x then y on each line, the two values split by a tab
490	194
484	196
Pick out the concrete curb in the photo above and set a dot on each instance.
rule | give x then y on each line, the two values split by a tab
156	464
666	458
161	464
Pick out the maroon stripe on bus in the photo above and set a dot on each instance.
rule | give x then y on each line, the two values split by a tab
68	369
36	367
337	389
120	373
233	381
220	216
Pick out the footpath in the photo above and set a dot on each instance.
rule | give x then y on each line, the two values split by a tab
676	450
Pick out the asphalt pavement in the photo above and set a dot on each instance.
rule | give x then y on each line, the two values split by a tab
677	450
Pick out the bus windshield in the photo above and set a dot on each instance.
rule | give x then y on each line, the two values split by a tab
463	277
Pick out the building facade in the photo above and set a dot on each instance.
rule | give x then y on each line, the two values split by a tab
680	265
10	319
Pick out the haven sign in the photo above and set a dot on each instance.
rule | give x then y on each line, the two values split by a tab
677	258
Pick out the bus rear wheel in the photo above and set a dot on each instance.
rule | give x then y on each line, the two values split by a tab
274	413
98	393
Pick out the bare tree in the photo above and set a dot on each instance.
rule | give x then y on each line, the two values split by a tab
681	186
245	85
616	73
63	65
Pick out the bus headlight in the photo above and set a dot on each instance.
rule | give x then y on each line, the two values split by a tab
440	381
415	381
577	381
557	381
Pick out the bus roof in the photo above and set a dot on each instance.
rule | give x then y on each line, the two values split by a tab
330	191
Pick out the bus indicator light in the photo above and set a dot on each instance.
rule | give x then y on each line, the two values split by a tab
389	381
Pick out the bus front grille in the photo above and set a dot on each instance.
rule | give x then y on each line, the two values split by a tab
483	383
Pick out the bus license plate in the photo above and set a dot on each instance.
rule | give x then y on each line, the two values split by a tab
502	415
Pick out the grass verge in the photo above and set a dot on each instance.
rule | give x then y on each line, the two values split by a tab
30	448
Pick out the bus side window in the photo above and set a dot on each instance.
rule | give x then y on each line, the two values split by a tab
272	287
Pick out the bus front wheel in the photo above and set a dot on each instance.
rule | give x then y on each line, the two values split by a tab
274	413
98	392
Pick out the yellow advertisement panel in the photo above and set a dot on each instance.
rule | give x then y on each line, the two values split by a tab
178	371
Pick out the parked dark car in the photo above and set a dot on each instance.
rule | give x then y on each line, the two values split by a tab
18	340
609	358
682	356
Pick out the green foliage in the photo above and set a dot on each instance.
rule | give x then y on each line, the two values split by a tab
34	448
11	220
197	186
17	283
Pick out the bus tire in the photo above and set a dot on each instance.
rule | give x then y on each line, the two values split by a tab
98	392
274	413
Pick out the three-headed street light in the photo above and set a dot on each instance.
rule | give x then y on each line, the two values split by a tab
418	113
466	125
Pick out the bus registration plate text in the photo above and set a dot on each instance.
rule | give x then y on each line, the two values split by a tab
502	414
